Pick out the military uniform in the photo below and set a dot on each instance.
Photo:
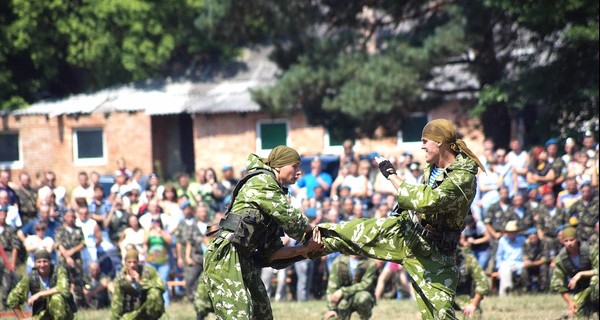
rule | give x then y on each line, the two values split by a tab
441	207
496	217
471	280
70	237
357	285
585	294
188	232
525	221
56	306
117	224
230	276
532	252
8	241
549	220
27	204
587	216
141	301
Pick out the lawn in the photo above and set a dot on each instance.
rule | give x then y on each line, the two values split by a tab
511	308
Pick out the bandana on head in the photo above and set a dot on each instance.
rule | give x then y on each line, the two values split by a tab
281	156
442	130
132	254
41	254
569	233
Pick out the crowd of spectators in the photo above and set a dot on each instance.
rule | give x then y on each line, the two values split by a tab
524	200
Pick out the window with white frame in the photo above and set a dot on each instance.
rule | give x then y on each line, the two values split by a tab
10	153
271	134
88	146
412	127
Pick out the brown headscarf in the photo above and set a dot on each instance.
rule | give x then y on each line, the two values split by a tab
281	156
442	130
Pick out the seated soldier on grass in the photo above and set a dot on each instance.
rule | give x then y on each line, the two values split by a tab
138	291
351	287
49	288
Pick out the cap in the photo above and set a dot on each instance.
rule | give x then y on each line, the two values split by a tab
185	203
372	155
530	231
570	233
551	141
226	167
585	183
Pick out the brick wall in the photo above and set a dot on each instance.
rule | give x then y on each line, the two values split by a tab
47	143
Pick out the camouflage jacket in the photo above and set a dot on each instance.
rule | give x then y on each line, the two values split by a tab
184	230
9	241
340	277
525	222
128	296
69	240
536	252
196	239
548	224
116	225
20	293
496	217
563	273
587	216
446	204
263	193
471	277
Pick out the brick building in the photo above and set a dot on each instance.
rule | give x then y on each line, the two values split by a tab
174	126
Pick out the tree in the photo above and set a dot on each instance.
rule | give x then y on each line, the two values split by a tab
369	63
54	48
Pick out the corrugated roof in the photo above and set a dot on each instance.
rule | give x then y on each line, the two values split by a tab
221	89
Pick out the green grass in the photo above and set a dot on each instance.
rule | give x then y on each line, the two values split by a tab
510	308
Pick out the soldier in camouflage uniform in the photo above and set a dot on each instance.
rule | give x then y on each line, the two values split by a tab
473	285
575	276
586	211
9	241
259	213
519	212
69	243
424	233
138	291
183	234
49	288
350	287
550	218
95	287
495	219
535	262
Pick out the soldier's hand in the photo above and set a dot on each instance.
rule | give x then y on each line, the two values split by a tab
32	299
336	296
189	261
469	310
180	262
331	315
574	280
385	166
70	261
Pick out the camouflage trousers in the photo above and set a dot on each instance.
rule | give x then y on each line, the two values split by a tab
152	308
75	274
587	300
461	301
434	275
7	281
58	309
361	302
231	286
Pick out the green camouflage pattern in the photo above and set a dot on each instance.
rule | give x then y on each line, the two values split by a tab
587	216
496	217
357	290
58	308
152	286
230	281
585	299
8	241
69	239
549	224
434	275
470	272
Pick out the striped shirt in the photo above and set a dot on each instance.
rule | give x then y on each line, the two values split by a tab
435	172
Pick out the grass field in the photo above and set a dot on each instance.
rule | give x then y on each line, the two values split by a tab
511	308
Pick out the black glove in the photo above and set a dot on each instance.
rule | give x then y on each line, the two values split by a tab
386	168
